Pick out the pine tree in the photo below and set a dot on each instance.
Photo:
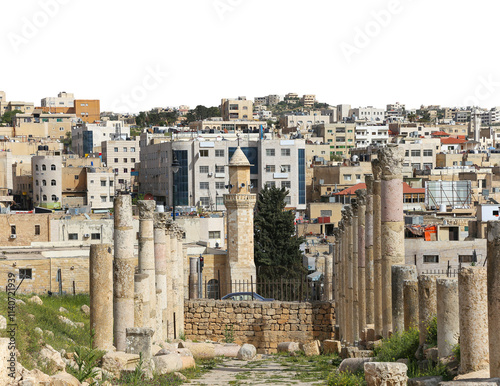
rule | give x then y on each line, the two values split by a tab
277	252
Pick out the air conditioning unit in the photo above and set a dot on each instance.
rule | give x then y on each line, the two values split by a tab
13	236
86	235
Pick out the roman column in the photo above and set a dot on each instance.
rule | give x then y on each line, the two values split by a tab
355	302
361	199
493	246
160	248
370	306
101	295
392	224
427	304
448	327
410	295
377	251
400	273
123	270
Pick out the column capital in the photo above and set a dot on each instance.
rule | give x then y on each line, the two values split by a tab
376	169
355	207
361	196
146	209
391	161
160	220
347	215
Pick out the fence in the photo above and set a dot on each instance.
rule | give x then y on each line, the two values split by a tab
445	272
287	290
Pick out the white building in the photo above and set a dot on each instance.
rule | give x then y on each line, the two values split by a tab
367	114
86	138
63	99
343	112
121	156
371	135
47	180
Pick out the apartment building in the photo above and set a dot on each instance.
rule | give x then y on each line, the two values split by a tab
340	136
122	156
219	125
88	137
490	117
305	122
88	110
203	175
308	100
395	112
240	109
47	180
343	112
63	99
292	98
367	135
40	125
269	100
420	154
368	114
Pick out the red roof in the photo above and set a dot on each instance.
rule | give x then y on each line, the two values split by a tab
350	191
452	141
439	134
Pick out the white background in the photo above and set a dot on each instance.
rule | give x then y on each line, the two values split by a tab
417	52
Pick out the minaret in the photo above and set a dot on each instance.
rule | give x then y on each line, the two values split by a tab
240	204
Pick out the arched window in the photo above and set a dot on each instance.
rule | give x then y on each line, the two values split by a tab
52	167
213	289
44	183
36	182
44	198
44	167
54	198
36	167
53	183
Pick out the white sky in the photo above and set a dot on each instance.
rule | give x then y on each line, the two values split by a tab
418	51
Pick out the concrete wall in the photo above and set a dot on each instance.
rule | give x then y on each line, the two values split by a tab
263	324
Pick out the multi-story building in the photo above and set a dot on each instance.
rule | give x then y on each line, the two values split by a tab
308	100
340	136
490	117
305	122
63	99
202	178
239	109
47	180
218	125
87	137
88	110
269	100
343	112
371	135
368	114
395	112
122	156
40	125
5	105
292	98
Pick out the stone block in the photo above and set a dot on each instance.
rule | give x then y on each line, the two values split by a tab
289	347
52	358
229	350
432	354
116	361
425	381
200	350
332	347
311	348
168	363
64	379
139	341
353	365
385	374
247	352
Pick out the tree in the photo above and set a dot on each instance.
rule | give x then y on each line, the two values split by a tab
8	116
276	248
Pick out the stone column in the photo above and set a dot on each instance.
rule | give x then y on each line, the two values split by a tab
170	278
392	224
179	286
336	280
123	270
193	277
493	246
370	306
410	295
343	278
400	273
142	309
349	278
447	315
328	276
101	295
473	308
160	246
377	251
147	255
361	197
355	280
427	304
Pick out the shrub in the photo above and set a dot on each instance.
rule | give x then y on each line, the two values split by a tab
431	339
346	379
456	351
229	334
399	345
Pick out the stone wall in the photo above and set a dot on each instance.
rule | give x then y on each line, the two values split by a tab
263	324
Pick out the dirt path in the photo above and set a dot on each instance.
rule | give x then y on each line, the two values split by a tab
266	371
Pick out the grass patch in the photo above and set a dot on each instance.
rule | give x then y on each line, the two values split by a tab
309	369
346	379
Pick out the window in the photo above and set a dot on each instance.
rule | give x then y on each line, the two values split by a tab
288	200
270	152
465	258
72	236
44	167
95	236
205	201
326	213
36	167
37	230
219	168
36	182
204	185
132	160
204	153
53	183
219	153
204	169
415	166
76	177
116	150
270	168
286	184
53	198
125	170
26	273
103	182
124	149
219	201
358	176
110	182
52	167
427	152
12	229
44	183
347	177
285	168
431	258
220	185
407	153
125	160
285	152
116	160
415	153
132	149
427	166
270	184
214	234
